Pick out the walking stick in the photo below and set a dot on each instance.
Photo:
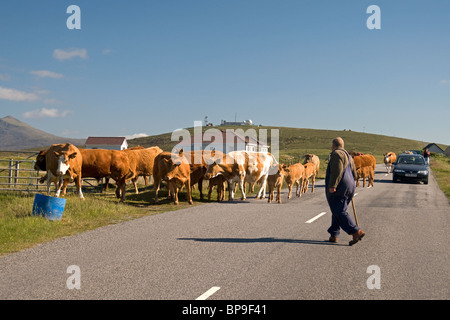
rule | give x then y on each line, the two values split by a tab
354	211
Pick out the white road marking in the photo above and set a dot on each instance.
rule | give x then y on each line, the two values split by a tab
208	293
316	217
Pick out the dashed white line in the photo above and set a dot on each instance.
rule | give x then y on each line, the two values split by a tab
316	217
208	293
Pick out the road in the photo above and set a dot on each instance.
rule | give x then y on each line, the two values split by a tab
252	251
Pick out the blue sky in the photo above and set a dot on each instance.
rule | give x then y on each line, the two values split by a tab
155	66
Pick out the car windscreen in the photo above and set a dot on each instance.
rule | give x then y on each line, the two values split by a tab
411	160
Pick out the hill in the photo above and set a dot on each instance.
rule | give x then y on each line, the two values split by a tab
295	142
17	135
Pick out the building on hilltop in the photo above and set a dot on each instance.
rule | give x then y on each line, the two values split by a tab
242	123
227	141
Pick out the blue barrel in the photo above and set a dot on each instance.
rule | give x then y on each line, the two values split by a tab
49	207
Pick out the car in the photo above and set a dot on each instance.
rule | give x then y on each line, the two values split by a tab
410	167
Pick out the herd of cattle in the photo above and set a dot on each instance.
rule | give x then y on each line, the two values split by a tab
66	163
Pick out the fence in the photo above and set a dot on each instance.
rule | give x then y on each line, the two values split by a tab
20	175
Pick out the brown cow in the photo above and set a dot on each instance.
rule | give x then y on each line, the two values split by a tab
310	173
175	169
294	174
114	164
312	158
220	182
64	161
275	181
141	162
198	163
365	172
366	160
98	164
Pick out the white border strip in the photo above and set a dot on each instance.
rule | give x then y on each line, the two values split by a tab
316	217
208	293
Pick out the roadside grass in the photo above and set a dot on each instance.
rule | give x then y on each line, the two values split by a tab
441	171
20	230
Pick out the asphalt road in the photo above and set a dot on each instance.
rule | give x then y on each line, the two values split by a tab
252	251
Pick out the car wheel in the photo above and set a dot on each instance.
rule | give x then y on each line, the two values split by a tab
394	178
425	181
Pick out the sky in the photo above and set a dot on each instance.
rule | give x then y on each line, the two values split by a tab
153	66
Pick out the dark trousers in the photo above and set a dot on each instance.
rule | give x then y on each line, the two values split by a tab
340	217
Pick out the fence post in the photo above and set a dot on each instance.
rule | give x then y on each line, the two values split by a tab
16	173
10	171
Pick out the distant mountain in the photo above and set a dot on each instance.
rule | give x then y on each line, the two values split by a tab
17	135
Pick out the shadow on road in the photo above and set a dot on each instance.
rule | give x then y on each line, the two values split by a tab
262	240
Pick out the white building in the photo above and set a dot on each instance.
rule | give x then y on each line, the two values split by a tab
224	141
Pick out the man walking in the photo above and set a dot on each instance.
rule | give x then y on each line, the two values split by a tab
339	190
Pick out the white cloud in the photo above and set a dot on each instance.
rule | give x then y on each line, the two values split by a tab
45	113
444	82
17	95
47	74
136	135
62	55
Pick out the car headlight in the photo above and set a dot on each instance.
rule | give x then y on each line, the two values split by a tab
399	170
422	172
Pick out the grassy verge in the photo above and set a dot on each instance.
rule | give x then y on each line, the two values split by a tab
19	229
441	171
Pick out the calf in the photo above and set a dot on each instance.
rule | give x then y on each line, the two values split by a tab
363	161
310	173
220	182
365	172
275	181
175	169
294	174
232	166
312	158
198	163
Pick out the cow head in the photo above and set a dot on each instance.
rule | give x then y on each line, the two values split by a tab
214	168
387	157
40	164
64	158
172	164
277	170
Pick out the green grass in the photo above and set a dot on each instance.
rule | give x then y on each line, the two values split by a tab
441	171
19	229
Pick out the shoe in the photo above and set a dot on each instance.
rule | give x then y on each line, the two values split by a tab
333	239
356	237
